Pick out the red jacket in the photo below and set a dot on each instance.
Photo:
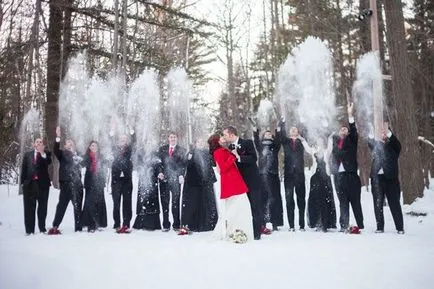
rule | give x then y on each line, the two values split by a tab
231	181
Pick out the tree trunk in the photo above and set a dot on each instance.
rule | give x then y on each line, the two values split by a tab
116	36
405	121
67	34
54	62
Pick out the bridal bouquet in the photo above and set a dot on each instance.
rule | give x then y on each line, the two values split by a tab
239	237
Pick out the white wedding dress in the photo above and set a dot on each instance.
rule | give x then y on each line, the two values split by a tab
234	214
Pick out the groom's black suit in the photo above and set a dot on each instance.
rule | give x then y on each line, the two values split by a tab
250	172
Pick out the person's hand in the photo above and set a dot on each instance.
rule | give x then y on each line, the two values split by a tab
350	109
58	131
181	180
161	176
189	156
234	151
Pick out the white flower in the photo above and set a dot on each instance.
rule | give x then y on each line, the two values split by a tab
239	237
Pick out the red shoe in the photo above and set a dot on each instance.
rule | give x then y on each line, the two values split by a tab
54	231
123	230
265	231
183	231
354	230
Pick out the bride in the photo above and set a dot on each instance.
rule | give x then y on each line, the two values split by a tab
235	216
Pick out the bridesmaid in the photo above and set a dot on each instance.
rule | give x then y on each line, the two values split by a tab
94	210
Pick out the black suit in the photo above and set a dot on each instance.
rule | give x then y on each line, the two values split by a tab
173	167
71	188
294	179
385	180
347	182
268	150
36	185
122	183
250	173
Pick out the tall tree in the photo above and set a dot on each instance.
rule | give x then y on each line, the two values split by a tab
404	122
54	59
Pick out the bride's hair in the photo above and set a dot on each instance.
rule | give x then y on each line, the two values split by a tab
214	143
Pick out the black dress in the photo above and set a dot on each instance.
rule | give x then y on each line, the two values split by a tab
199	209
321	209
148	205
94	209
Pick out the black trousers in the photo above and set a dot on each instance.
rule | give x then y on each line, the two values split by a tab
122	188
390	188
295	182
33	194
272	199
173	187
70	191
255	199
348	189
94	210
190	206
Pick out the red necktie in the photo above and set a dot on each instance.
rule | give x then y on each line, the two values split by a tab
35	162
170	151
293	144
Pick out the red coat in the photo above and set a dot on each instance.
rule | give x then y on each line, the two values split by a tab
231	181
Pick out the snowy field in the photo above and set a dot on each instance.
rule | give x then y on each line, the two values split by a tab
164	260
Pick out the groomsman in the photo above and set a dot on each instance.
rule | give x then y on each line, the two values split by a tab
268	149
245	152
344	168
294	179
174	160
122	182
384	178
71	188
36	185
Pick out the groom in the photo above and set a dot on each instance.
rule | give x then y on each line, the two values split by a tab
245	152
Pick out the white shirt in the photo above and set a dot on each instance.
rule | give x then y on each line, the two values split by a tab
235	143
44	155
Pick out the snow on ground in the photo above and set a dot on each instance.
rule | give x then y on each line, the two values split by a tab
164	260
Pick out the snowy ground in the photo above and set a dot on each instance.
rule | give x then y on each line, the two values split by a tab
165	260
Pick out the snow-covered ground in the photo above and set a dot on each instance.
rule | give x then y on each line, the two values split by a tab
164	260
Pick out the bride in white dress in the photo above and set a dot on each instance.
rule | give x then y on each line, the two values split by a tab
235	216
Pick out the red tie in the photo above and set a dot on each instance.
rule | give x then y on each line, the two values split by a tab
35	161
293	144
170	151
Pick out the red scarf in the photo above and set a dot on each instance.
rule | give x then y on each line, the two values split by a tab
293	144
93	160
341	143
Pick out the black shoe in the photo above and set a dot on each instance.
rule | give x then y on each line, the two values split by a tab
275	228
116	226
291	230
401	232
343	230
378	231
257	237
165	229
